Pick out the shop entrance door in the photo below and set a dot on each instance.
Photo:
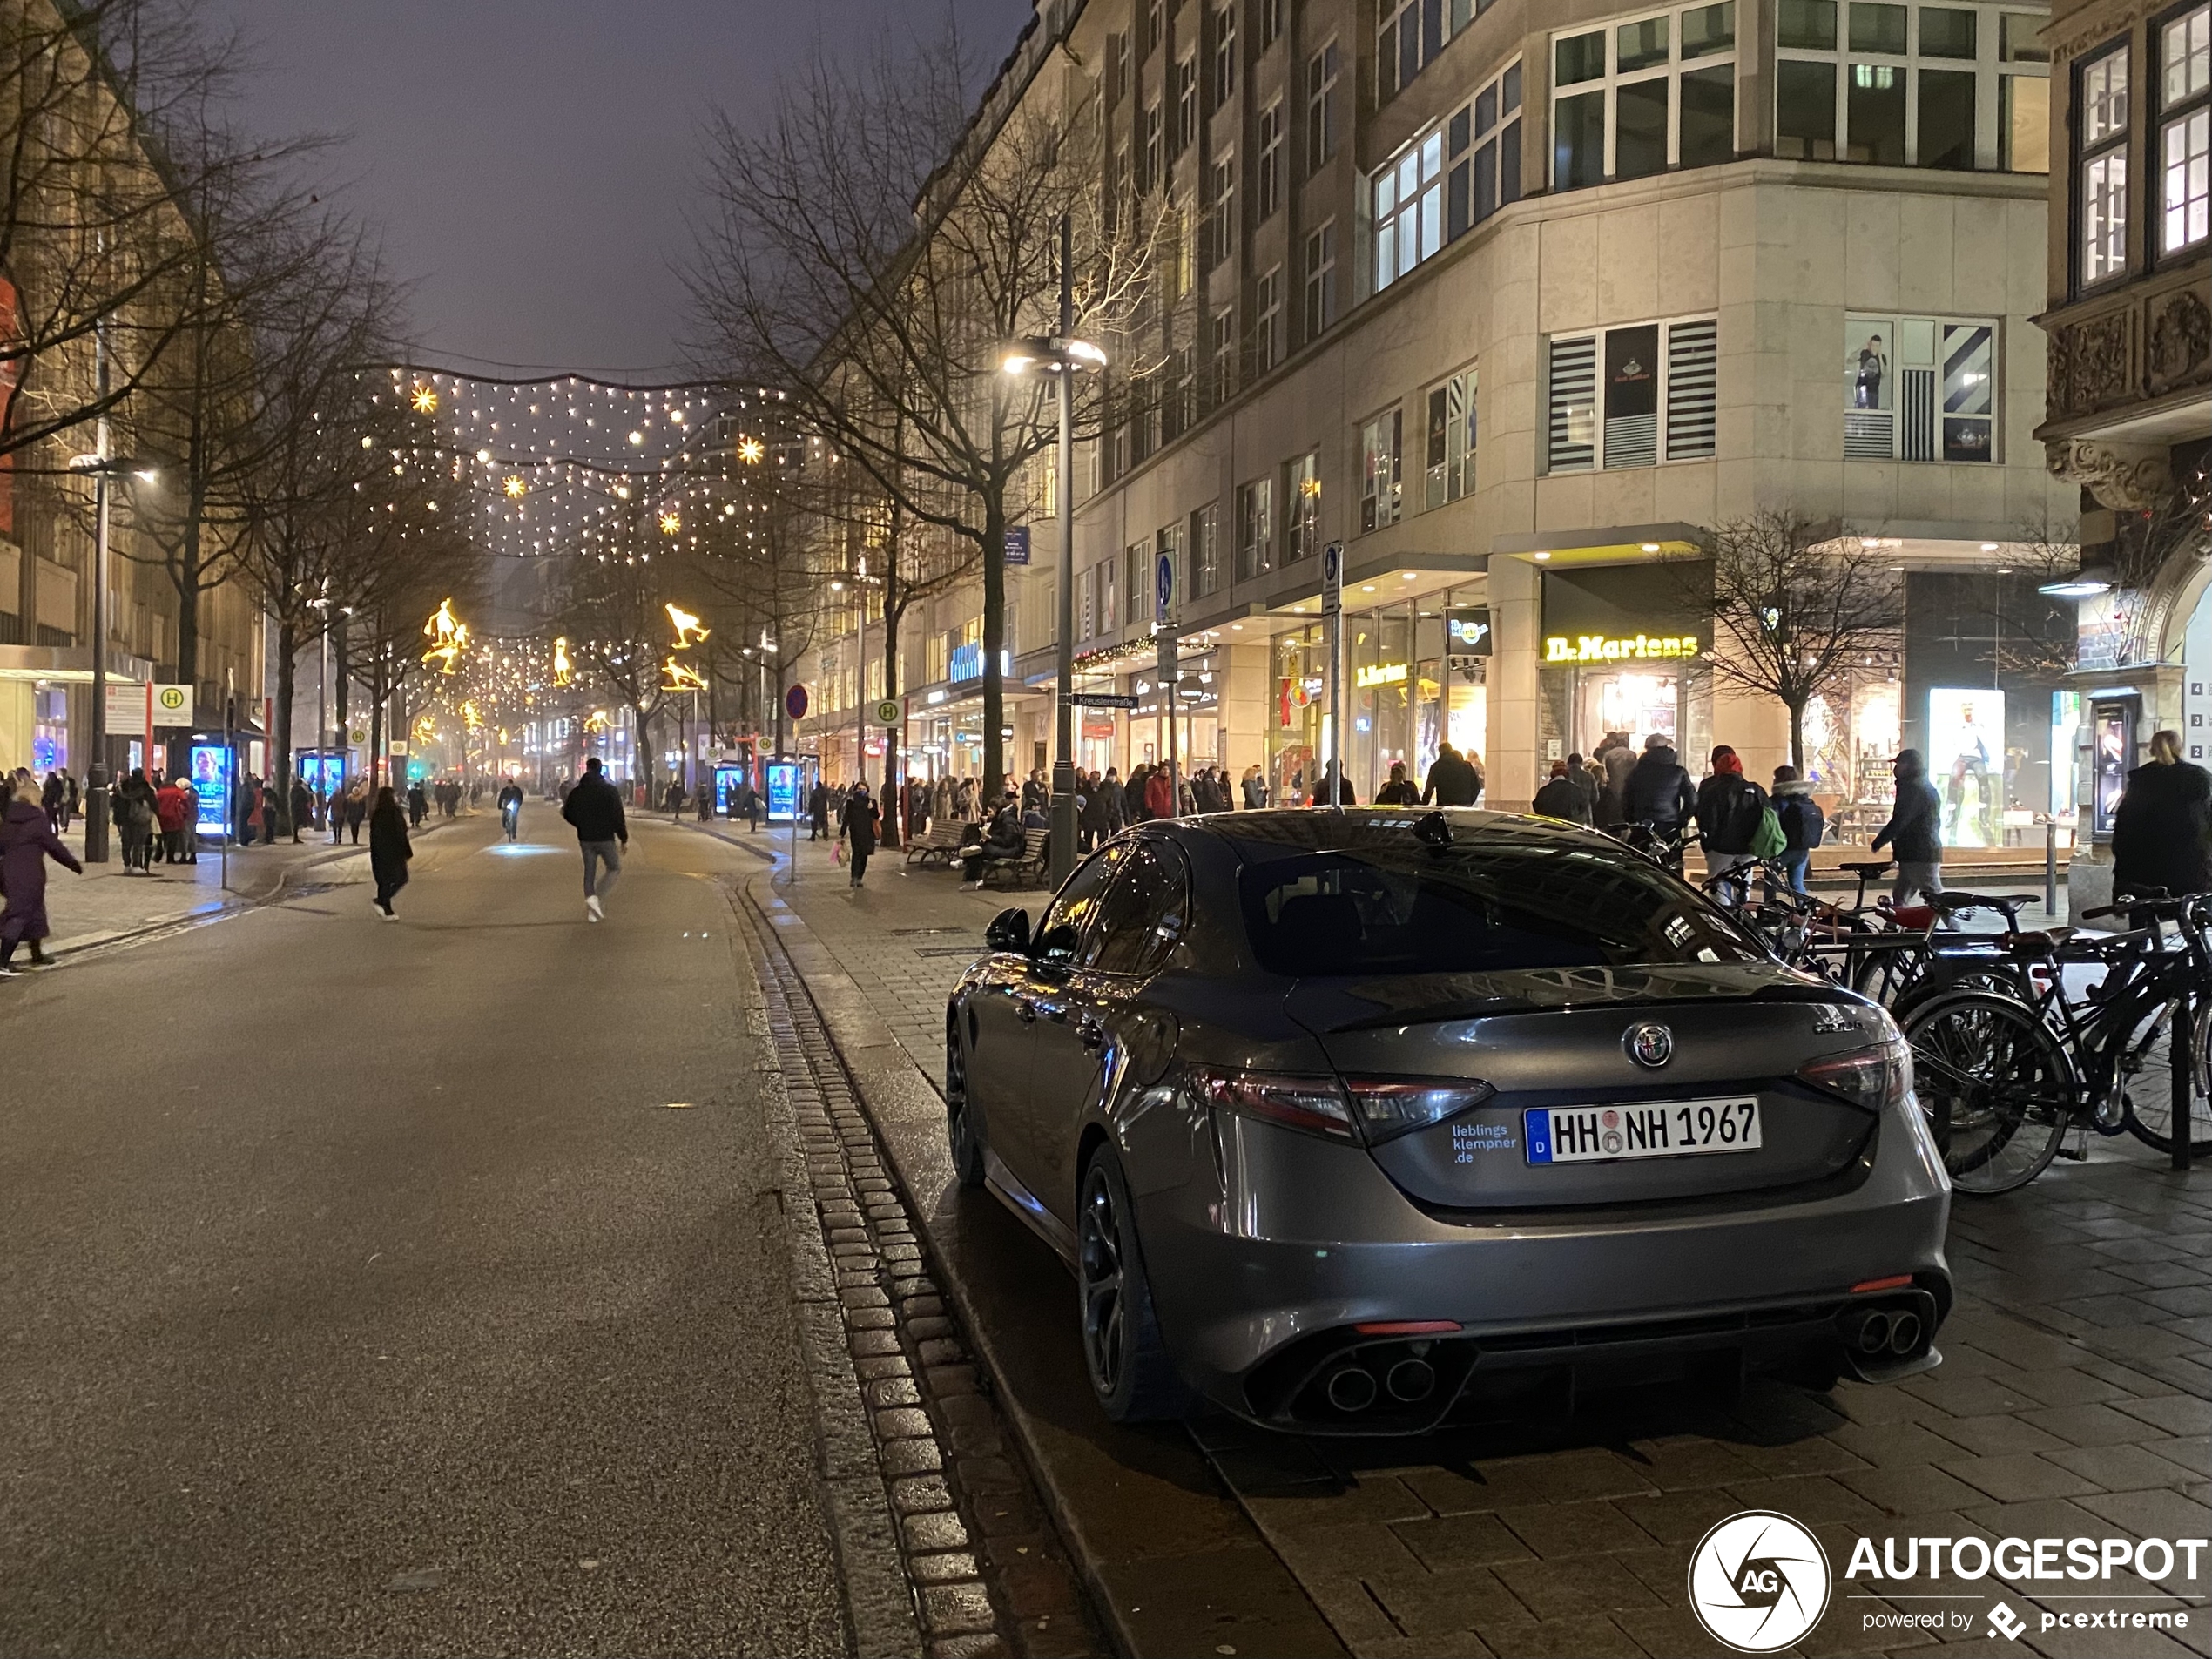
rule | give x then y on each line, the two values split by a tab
1637	702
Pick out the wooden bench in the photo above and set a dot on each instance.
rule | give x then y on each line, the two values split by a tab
1027	870
940	840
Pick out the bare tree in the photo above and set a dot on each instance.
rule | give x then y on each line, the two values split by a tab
612	607
1795	602
870	251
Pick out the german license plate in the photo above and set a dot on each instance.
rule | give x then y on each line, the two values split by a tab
1656	1129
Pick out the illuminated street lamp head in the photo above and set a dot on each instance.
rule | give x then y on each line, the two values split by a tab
749	450
1053	355
425	398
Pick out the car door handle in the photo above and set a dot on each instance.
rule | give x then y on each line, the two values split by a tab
1094	1034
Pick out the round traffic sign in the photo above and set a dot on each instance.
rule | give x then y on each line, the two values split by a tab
172	697
795	702
886	712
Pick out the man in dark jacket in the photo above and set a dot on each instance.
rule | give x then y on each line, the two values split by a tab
1730	807
1656	790
818	812
1914	831
594	809
2164	828
1452	781
1562	797
1619	757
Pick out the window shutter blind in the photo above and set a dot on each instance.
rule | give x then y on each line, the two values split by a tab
1573	415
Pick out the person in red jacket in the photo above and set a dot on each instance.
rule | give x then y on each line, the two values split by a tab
169	813
1159	794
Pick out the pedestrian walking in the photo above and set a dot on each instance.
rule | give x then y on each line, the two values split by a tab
1452	779
1619	757
594	809
54	798
2161	834
356	809
1913	832
134	820
1656	790
1399	789
1255	788
1334	782
818	812
1561	796
1802	823
1730	807
303	807
27	841
388	850
857	828
190	836
169	814
1586	782
1159	794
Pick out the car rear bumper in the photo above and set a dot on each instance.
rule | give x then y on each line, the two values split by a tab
1254	1291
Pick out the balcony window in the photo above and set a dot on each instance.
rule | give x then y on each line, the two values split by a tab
1409	209
2100	168
1641	96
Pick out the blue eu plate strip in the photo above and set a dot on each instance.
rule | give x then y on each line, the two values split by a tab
1536	1124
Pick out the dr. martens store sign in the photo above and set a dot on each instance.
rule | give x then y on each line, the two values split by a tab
1607	616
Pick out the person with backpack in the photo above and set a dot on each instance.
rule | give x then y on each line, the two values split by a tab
1729	813
1799	818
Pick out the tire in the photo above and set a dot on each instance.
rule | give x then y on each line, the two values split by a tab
2149	1082
960	1135
1124	1355
1996	1085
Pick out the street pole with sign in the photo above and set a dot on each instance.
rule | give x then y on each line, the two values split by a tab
96	793
1332	768
795	705
1063	751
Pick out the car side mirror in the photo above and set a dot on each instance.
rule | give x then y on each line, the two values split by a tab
1009	930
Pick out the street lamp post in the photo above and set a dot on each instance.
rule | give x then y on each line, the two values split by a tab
1064	356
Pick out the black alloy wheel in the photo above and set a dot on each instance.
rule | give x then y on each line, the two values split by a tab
1123	1352
967	1146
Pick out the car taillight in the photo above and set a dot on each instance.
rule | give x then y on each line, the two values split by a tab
1388	1110
1316	1105
1873	1078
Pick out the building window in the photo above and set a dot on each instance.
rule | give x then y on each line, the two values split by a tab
1205	550
1153	33
1116	69
1635	98
1267	321
1148	154
1919	388
1255	528
1182	411
1186	103
1630	397
1301	507
2100	135
1087	604
1221	210
1320	278
1480	183
1224	325
1225	55
1408	203
2185	129
1408	36
1109	616
1267	182
1271	23
1381	455
1136	584
1895	85
1322	118
1451	440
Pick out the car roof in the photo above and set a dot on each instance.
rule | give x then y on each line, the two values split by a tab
1303	828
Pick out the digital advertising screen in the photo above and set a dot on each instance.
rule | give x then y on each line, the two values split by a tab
783	791
211	776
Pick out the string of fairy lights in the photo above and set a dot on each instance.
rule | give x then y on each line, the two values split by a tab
571	466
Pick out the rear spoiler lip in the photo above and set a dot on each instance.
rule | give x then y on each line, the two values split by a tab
1488	1007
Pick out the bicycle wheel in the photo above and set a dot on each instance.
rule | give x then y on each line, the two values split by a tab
1997	1087
1882	975
2148	1070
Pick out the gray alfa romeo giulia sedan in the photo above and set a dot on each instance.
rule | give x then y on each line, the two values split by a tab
1369	1120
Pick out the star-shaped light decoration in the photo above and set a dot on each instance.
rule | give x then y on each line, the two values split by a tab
749	450
425	398
514	487
671	523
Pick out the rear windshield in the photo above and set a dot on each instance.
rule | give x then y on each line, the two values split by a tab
1387	908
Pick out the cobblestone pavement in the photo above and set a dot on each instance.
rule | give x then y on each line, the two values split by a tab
2075	1399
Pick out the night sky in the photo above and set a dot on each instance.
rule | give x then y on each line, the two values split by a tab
530	162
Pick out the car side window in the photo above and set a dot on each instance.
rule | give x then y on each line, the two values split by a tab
1059	937
1142	915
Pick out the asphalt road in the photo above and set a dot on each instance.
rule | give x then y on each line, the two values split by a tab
360	1291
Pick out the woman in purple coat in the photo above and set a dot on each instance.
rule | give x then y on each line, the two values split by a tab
27	841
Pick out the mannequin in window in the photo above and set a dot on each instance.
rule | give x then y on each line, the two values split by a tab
1873	365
